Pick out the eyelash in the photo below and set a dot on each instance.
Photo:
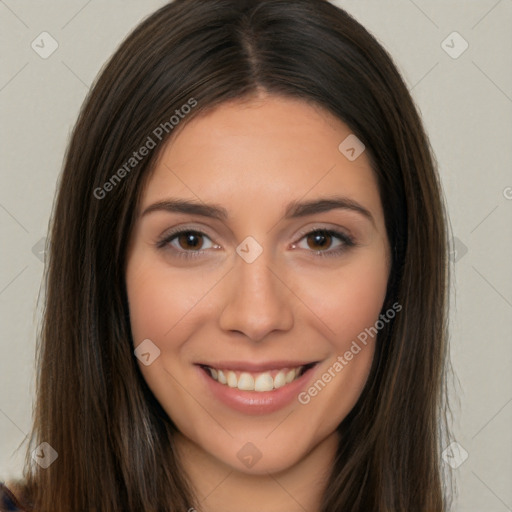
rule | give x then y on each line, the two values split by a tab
347	240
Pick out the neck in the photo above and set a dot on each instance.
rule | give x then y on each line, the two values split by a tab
222	488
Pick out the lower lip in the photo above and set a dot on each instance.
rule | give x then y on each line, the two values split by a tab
257	402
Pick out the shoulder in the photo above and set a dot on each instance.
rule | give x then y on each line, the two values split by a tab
9	494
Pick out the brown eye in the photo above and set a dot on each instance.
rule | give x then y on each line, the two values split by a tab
326	242
190	240
187	241
319	240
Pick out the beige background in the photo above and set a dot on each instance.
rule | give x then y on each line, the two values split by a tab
466	103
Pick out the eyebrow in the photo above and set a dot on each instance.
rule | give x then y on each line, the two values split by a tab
295	209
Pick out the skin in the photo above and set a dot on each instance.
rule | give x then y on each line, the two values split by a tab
253	157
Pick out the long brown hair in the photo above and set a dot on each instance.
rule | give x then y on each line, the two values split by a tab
114	441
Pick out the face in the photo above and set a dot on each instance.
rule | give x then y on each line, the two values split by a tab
258	262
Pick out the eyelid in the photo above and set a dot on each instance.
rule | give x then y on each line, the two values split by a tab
165	239
317	227
346	240
184	227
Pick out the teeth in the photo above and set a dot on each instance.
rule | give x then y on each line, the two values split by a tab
290	376
279	380
245	381
232	380
264	382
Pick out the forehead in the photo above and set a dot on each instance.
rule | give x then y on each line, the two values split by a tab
265	148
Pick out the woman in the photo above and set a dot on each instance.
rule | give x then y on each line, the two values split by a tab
246	290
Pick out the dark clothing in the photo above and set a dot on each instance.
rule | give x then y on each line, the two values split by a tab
8	501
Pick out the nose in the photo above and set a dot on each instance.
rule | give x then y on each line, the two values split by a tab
257	300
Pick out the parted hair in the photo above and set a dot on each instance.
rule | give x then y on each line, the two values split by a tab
115	443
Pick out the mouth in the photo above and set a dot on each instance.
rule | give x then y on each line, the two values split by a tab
256	381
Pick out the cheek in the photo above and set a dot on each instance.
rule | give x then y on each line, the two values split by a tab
162	304
359	301
353	313
348	299
161	300
151	309
350	310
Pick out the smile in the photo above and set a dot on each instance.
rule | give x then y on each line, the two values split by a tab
256	388
256	381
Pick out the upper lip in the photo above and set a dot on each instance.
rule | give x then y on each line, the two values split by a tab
256	367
